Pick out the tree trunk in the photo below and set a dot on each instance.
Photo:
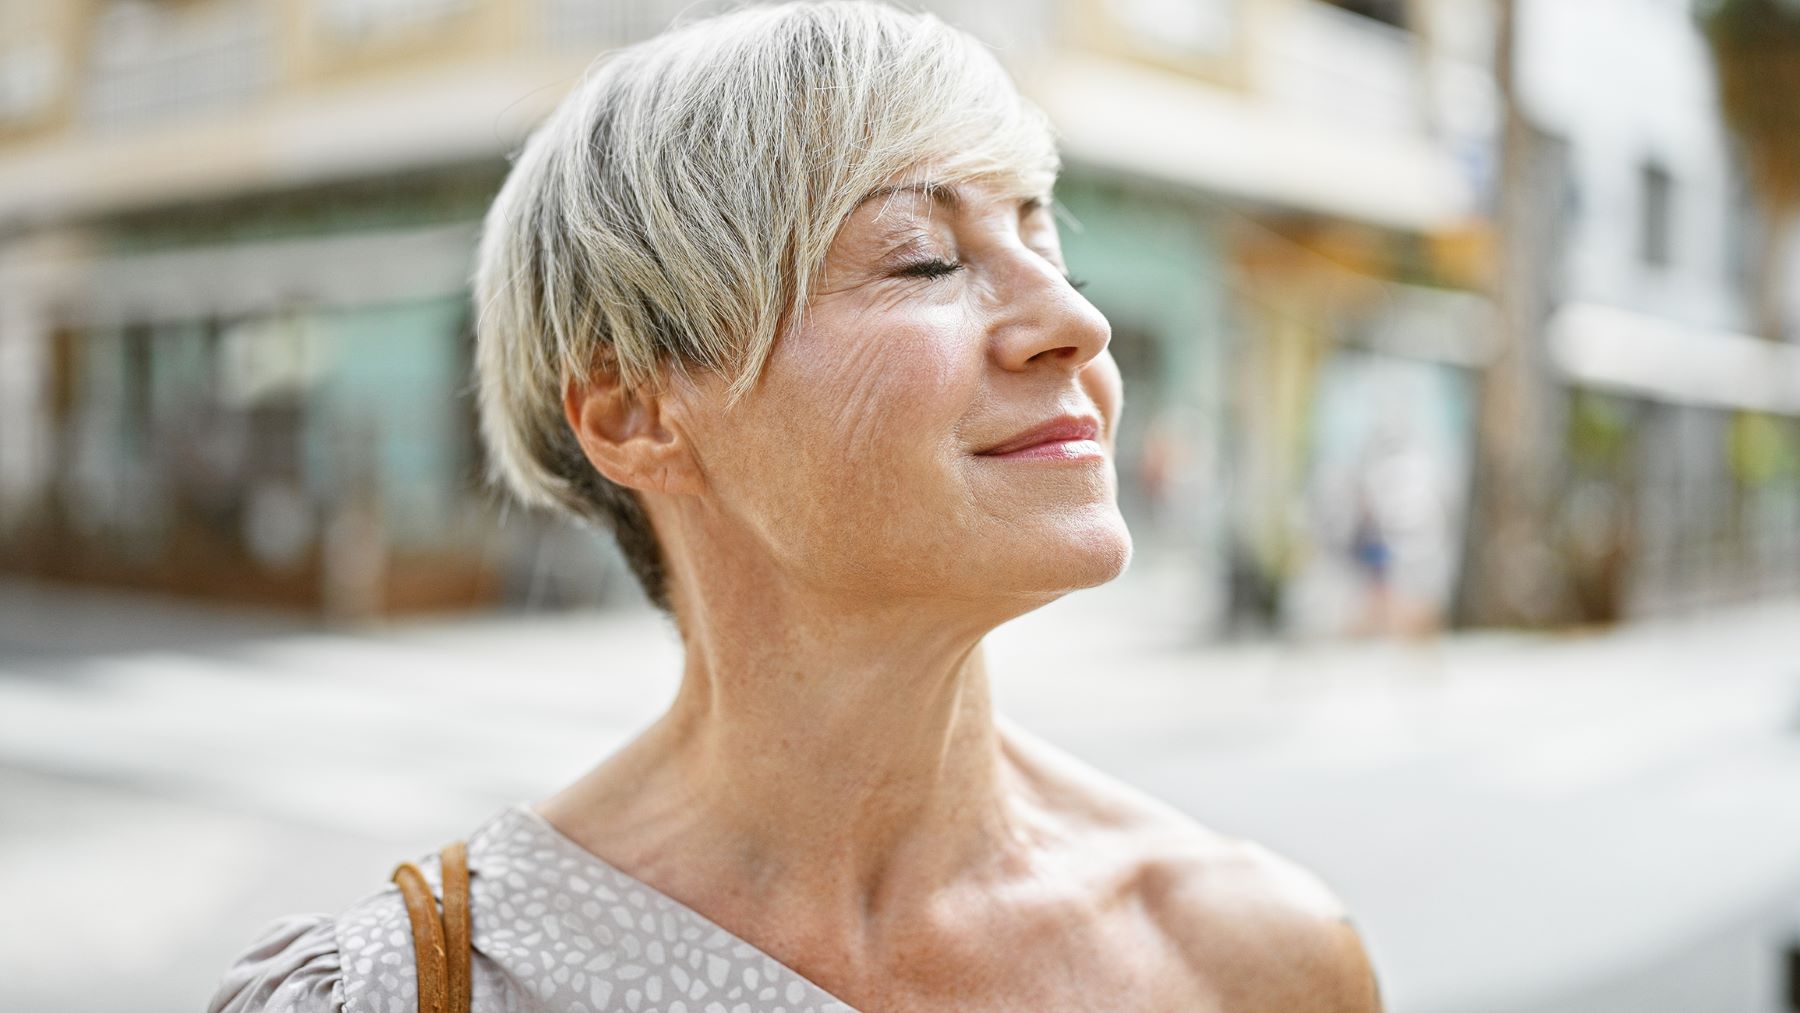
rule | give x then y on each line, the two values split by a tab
1512	574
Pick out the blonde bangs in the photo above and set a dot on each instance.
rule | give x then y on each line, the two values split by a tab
675	210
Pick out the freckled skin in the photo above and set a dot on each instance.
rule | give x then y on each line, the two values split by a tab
877	403
830	783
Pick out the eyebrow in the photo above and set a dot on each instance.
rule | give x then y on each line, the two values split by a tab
945	194
937	193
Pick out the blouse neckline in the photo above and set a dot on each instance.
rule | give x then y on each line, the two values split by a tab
544	828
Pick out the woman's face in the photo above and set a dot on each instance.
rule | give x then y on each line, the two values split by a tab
869	460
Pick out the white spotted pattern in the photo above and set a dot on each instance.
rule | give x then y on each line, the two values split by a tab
554	929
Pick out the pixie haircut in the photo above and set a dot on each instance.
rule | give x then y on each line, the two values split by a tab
675	209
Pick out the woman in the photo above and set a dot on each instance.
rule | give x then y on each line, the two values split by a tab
777	297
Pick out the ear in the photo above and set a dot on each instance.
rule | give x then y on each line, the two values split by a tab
629	436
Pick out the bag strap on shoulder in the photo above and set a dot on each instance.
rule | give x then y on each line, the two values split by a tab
440	944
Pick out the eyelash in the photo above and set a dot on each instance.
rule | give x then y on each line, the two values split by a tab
941	268
932	268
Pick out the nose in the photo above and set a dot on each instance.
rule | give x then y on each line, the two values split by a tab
1044	321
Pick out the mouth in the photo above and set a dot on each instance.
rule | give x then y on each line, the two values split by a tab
1064	438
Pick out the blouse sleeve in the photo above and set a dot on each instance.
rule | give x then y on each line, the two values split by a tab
292	968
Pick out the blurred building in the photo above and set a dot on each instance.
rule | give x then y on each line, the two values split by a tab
234	241
1293	207
234	325
234	244
1280	207
1680	483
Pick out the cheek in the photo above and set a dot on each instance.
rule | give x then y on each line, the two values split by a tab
886	391
864	420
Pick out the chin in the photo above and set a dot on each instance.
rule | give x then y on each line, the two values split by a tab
1109	550
1086	550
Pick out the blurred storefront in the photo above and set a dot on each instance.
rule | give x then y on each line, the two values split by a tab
235	240
1320	327
1284	228
234	244
1355	433
234	328
1679	483
252	389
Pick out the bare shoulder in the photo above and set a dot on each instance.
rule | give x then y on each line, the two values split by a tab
1261	931
1264	931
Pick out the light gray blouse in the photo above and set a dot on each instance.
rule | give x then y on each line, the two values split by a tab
554	928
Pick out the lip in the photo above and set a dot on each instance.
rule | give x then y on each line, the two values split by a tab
1066	436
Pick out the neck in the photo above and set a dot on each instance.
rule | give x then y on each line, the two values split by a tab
818	759
846	757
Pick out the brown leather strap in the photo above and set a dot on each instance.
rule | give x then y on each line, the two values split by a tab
455	859
428	938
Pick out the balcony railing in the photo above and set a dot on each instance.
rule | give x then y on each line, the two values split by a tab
1338	66
152	62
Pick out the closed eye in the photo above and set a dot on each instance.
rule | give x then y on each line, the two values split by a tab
931	268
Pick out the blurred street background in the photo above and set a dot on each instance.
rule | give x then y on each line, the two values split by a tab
1461	342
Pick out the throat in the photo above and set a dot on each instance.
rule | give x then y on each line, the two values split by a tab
866	776
827	806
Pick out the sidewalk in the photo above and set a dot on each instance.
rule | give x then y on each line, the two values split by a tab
1519	823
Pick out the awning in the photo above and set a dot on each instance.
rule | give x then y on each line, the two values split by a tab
446	117
1647	356
246	278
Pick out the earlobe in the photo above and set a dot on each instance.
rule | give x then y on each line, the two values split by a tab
626	436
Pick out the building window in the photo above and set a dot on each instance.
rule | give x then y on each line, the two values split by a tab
584	24
361	20
1392	12
1179	27
1657	189
162	61
31	74
1743	231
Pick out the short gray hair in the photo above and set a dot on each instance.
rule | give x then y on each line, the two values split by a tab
675	210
